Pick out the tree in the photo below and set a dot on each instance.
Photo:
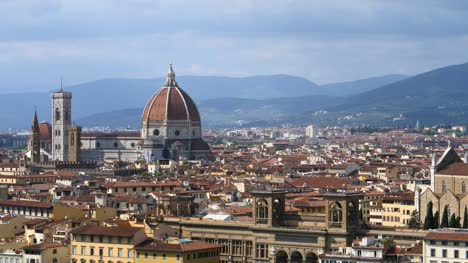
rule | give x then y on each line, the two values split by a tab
458	222
453	221
445	218
413	223
429	220
465	219
436	220
388	241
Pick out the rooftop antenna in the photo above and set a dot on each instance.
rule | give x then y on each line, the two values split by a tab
61	83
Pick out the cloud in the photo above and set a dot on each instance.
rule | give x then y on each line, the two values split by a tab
325	41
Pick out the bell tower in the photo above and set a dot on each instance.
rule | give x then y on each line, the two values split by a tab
268	207
34	141
61	122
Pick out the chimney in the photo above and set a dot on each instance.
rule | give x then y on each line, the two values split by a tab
465	158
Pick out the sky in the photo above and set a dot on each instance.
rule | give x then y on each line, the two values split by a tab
323	41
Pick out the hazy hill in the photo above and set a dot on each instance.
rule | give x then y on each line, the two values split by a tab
225	111
359	86
436	96
439	95
16	110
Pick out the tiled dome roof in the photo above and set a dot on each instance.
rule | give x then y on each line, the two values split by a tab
170	103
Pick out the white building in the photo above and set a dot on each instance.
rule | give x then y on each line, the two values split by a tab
10	255
446	246
311	131
367	249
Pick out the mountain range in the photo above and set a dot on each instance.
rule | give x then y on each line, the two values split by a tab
437	96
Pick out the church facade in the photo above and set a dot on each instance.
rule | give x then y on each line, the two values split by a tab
170	129
449	181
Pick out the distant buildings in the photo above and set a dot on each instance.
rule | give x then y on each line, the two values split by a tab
311	131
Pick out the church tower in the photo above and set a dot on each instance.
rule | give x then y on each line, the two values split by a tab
34	141
61	122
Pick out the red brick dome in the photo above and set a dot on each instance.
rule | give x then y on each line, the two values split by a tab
170	103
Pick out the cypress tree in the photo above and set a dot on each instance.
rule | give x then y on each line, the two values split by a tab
465	218
429	220
445	218
436	220
453	221
458	222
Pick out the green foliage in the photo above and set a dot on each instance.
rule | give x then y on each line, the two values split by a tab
465	219
445	218
429	220
413	223
453	221
388	241
436	220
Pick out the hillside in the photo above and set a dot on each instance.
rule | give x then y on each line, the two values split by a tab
225	111
437	96
358	86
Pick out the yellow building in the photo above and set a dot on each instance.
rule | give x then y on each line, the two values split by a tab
397	209
46	252
105	244
177	251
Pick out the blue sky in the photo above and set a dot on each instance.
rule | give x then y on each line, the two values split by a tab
323	41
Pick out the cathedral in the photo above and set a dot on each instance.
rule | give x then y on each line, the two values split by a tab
449	181
170	130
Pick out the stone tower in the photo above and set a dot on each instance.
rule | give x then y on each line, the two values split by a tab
61	122
268	207
74	144
34	141
341	217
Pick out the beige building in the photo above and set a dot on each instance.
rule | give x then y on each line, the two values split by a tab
46	253
449	182
274	236
176	251
108	244
397	209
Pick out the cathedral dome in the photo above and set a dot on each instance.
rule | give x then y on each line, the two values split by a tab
170	103
45	131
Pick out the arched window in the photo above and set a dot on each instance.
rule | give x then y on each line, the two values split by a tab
448	210
57	114
262	211
336	213
463	187
444	187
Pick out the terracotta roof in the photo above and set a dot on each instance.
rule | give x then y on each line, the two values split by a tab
170	103
9	165
45	131
43	246
455	169
303	202
140	184
323	182
111	135
452	236
163	246
26	203
107	231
